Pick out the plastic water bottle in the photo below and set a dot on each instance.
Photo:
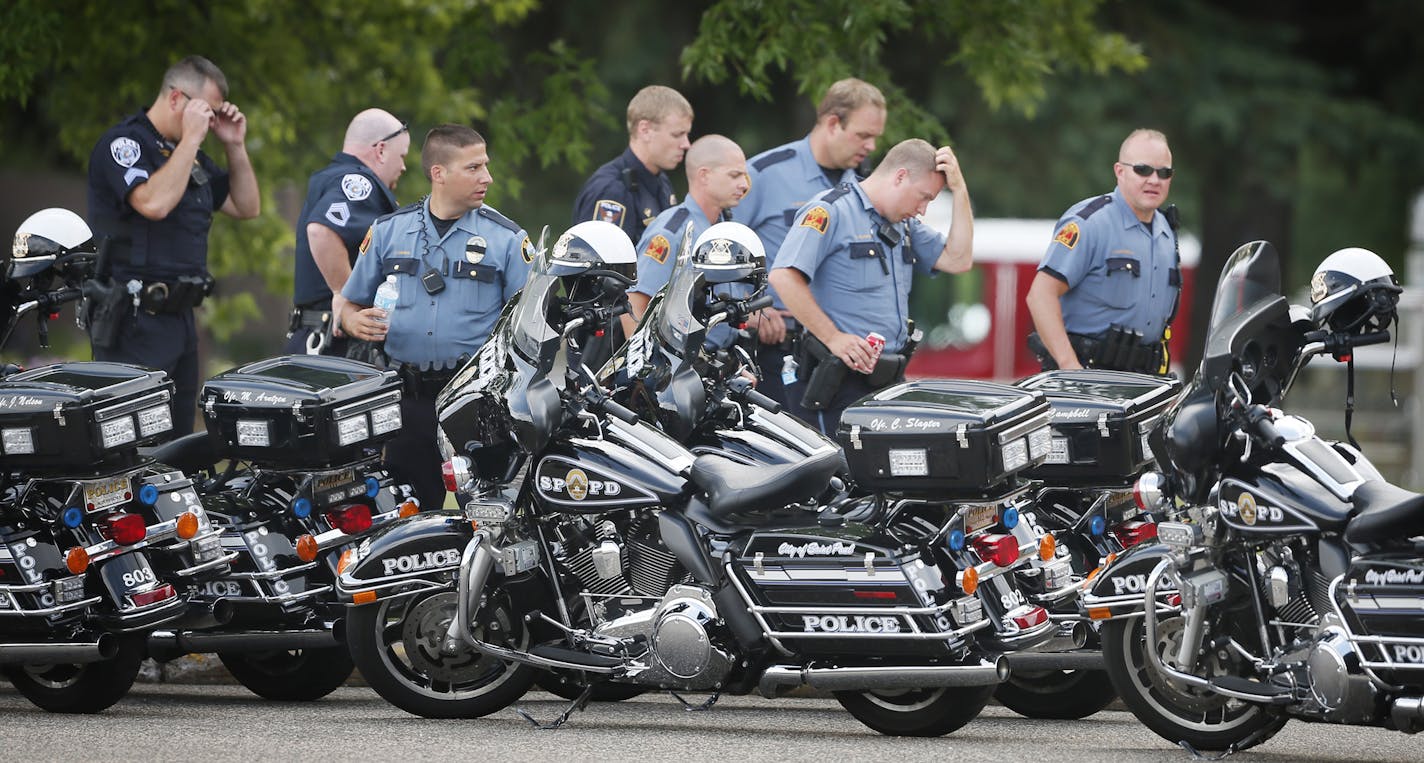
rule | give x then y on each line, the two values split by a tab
388	296
788	370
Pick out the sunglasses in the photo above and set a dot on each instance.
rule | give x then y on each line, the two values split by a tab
406	126
1144	170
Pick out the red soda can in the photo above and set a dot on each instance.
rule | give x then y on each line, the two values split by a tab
877	345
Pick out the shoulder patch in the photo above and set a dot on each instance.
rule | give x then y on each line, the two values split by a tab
775	157
526	250
658	249
355	186
125	151
1067	235
609	211
817	218
499	219
1094	205
678	219
366	242
836	193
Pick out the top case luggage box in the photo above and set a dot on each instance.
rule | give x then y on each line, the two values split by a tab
79	416
1101	420
938	438
301	410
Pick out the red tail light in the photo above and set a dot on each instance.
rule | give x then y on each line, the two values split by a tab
1136	531
874	594
1035	616
127	529
1000	549
158	594
352	519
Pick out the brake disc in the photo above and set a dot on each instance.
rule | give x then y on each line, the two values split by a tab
423	633
1169	638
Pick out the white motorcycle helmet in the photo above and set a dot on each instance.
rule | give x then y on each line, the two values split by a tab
727	252
45	236
595	260
1353	291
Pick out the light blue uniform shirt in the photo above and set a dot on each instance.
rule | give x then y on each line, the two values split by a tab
782	180
659	248
1119	270
859	281
434	330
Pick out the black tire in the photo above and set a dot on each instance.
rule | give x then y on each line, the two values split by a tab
1064	695
290	675
917	712
396	645
570	687
88	687
1205	720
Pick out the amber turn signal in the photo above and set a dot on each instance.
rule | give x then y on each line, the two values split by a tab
187	525
409	509
77	560
1047	547
968	581
306	548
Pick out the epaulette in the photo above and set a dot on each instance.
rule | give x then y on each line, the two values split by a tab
1094	205
500	219
675	222
403	210
836	193
775	157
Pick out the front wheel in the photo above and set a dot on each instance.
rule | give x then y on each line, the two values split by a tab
1175	712
397	644
290	675
917	712
1063	695
80	688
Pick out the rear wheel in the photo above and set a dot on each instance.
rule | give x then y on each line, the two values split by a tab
1056	694
290	675
1174	711
917	712
80	688
398	645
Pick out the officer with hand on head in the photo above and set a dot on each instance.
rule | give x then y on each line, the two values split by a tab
343	199
716	182
152	194
849	119
1107	288
456	262
845	271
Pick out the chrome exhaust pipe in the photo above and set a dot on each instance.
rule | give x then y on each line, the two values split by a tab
242	641
1065	651
778	679
1408	714
104	647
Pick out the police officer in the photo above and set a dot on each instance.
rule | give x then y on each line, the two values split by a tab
632	189
849	119
1108	285
343	199
152	193
845	268
716	182
456	261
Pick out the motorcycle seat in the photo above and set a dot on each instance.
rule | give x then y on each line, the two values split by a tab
734	488
191	453
1385	512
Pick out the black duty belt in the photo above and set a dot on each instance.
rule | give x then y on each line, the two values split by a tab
424	383
157	297
315	318
1118	350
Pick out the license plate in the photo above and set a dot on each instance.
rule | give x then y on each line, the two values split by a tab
980	516
103	494
332	480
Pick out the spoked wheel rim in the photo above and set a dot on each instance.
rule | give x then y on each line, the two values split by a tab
55	676
1188	707
411	638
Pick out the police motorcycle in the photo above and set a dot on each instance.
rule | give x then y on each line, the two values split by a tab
99	543
1290	582
289	467
591	542
1099	447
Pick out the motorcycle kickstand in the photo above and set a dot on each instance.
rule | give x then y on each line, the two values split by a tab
1230	750
691	708
574	707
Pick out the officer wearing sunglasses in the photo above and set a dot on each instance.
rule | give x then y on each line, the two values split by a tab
1107	288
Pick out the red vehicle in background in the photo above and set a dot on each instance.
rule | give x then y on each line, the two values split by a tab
976	324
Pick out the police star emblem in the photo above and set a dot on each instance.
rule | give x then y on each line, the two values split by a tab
475	249
817	218
1067	235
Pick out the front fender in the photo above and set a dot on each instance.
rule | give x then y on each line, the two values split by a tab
1118	589
421	553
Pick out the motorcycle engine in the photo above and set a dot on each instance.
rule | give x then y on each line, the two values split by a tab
1336	681
614	554
684	649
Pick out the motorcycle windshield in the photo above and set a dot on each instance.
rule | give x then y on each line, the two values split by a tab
531	332
677	321
1248	296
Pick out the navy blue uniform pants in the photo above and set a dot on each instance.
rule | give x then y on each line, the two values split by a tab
169	343
413	456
